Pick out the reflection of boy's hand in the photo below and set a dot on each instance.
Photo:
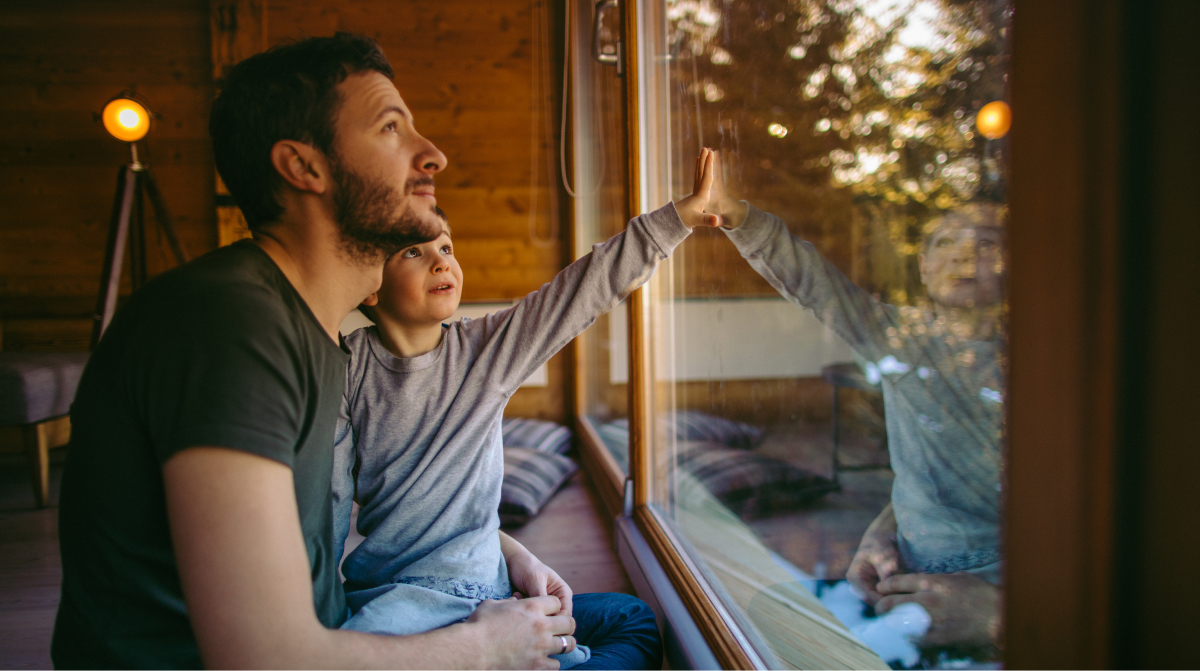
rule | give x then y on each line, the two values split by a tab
691	209
877	559
732	211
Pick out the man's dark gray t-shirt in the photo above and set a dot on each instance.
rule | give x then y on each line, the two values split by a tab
220	352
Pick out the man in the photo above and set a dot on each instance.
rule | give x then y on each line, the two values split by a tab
938	542
195	520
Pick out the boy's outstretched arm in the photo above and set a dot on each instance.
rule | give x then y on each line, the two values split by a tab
518	340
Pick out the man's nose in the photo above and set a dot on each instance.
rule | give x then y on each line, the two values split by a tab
429	159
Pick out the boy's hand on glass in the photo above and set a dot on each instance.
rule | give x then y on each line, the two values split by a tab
732	211
691	209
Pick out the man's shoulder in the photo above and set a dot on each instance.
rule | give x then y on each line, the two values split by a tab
231	284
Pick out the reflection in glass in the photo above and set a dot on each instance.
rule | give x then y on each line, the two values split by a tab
867	267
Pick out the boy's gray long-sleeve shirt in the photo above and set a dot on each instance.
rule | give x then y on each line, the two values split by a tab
942	399
423	435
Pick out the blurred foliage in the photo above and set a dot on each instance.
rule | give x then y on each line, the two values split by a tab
847	109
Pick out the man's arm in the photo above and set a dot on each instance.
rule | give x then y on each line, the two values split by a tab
246	580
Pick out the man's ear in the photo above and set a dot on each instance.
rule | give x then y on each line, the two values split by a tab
372	300
301	165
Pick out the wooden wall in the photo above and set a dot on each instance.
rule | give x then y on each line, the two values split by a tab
60	62
465	68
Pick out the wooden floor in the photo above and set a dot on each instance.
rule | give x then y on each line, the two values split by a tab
569	535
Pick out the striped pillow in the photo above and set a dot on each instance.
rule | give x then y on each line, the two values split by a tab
536	434
530	478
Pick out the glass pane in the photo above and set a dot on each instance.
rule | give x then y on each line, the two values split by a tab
600	212
829	377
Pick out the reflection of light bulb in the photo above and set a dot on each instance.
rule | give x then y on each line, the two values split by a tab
128	118
778	130
994	120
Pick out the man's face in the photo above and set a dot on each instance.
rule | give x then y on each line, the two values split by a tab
963	263
382	170
422	284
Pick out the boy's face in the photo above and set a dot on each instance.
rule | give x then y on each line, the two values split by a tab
963	263
422	284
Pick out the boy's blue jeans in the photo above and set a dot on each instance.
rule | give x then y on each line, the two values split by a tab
620	629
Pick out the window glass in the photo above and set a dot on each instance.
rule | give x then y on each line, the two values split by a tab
601	203
828	378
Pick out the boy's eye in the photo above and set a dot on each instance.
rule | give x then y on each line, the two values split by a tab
447	250
410	253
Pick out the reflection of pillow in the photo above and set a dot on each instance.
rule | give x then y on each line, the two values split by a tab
615	435
748	483
696	425
530	478
536	434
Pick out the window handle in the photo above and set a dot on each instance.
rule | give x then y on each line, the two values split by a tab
602	55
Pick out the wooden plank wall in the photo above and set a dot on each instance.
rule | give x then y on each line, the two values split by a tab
465	68
60	62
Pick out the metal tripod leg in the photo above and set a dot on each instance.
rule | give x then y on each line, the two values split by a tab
163	217
114	252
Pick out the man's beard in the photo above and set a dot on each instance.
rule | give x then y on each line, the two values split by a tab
364	210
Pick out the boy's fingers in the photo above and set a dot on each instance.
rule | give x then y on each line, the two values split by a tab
706	179
712	220
548	605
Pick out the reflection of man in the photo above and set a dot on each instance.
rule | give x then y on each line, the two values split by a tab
937	542
195	520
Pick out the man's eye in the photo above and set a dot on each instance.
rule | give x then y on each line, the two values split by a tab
987	244
945	242
391	127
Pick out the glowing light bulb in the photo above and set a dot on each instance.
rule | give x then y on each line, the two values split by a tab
994	120
778	130
126	119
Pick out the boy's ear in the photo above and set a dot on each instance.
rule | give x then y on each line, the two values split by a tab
372	300
300	165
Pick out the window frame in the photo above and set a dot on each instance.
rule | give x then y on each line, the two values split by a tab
1063	422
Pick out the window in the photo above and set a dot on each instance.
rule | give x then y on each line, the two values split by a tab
845	380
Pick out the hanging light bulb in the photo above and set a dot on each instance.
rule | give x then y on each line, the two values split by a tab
994	120
125	119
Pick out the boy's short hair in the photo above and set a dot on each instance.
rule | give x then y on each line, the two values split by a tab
286	93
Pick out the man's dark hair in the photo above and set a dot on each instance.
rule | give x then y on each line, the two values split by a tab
286	93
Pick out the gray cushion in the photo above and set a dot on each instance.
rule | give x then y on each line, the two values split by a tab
36	386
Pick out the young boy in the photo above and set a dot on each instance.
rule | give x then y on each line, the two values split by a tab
419	443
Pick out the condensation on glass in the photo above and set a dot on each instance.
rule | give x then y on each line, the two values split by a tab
828	379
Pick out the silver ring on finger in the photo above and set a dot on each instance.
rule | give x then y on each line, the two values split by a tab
564	642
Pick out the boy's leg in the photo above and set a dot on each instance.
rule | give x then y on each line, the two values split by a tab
620	630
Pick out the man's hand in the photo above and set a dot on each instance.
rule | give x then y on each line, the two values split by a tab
965	609
877	557
732	211
509	626
691	209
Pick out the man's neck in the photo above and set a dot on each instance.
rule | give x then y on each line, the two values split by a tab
409	340
308	252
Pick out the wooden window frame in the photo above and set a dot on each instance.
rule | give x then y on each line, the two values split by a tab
1064	421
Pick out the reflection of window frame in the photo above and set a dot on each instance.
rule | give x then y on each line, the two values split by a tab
1067	406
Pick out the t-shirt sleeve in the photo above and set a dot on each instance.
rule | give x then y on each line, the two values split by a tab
228	373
